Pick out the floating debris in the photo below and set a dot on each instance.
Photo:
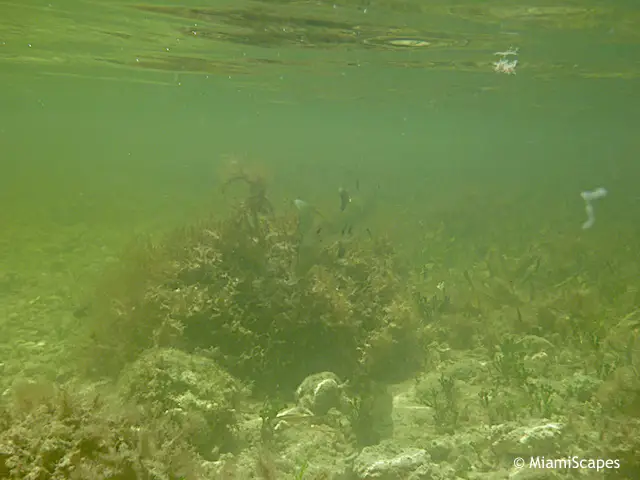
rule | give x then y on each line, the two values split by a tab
509	51
588	197
503	64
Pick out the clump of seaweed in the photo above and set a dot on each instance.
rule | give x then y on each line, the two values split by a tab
73	434
444	400
229	289
256	202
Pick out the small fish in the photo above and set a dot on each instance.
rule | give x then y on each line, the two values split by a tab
300	204
303	206
467	277
82	311
308	216
345	199
347	229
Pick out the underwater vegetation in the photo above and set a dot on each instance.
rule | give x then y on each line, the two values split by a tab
232	289
555	333
239	347
76	433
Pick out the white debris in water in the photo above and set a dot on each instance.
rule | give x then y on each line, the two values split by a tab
503	64
588	197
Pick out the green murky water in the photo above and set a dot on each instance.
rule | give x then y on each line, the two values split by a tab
120	119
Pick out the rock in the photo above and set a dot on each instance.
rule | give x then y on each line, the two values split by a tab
526	441
386	462
193	390
320	392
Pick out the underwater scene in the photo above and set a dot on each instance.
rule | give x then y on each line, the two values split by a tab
309	239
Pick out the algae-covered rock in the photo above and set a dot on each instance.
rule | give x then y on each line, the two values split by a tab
534	440
322	391
192	390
